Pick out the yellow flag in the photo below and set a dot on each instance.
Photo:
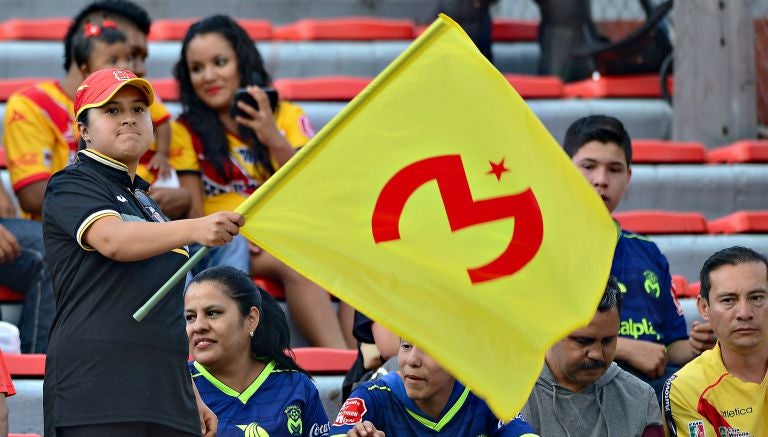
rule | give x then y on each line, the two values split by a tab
437	204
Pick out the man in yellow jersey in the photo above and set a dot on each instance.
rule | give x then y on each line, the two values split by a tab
40	135
724	392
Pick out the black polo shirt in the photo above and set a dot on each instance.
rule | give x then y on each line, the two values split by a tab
102	365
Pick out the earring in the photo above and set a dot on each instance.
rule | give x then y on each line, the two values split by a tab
251	333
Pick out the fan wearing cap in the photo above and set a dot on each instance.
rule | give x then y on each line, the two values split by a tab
109	248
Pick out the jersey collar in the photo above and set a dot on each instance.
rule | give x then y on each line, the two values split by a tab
112	167
247	393
455	402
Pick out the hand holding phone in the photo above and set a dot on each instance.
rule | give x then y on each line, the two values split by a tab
242	95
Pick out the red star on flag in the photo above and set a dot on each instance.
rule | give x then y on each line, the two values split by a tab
497	169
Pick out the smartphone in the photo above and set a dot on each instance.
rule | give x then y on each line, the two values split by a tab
243	95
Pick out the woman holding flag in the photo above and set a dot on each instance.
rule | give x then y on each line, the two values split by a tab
236	153
109	247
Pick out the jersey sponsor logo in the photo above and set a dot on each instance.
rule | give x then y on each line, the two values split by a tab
630	328
651	284
736	412
696	429
319	429
724	431
121	75
294	423
351	412
26	159
253	430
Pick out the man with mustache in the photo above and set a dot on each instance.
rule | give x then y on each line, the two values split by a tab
582	392
724	392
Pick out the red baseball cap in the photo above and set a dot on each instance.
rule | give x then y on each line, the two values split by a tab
99	87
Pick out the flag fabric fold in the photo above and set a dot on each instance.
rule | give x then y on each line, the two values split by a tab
437	204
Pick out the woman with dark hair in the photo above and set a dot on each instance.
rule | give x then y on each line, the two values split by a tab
243	367
235	154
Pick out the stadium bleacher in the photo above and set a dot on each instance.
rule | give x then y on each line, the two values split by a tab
680	184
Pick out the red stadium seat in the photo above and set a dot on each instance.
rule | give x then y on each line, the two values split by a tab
166	89
634	86
6	294
680	286
9	86
35	28
662	222
25	365
175	29
271	287
670	152
694	288
536	87
336	88
740	152
740	222
320	360
509	30
23	435
3	158
349	28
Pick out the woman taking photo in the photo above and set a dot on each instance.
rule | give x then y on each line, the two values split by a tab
109	247
237	153
238	337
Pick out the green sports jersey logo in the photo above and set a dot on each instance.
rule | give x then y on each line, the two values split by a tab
294	424
652	284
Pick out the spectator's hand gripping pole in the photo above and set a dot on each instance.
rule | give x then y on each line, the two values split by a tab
178	276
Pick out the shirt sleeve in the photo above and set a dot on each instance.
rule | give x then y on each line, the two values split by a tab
360	406
29	142
675	327
294	124
158	112
516	427
314	414
74	202
6	383
182	155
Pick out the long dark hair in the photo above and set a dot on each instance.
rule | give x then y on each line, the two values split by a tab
203	120
272	338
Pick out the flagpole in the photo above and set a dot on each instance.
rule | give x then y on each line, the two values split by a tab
169	284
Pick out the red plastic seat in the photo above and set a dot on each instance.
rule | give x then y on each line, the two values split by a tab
271	287
509	30
9	86
35	28
175	29
167	89
740	152
348	28
680	286
662	222
740	222
663	151
635	86
23	435
536	87
6	294
25	365
694	289
3	158
320	360
326	88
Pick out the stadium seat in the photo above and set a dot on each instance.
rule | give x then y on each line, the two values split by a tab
646	151
166	89
175	29
25	365
6	294
740	152
536	87
740	222
662	222
680	286
325	88
634	86
9	86
3	158
271	287
694	288
319	361
35	29
347	28
23	435
509	30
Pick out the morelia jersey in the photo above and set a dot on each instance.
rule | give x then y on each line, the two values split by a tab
40	134
278	403
245	174
704	400
385	403
650	310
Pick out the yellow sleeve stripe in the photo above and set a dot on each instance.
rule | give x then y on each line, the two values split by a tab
89	221
181	251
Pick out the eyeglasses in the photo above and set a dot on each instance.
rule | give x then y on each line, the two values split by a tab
143	199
